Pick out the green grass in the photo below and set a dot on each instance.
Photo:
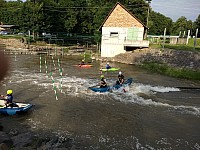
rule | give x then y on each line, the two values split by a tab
188	47
191	42
11	36
182	47
173	72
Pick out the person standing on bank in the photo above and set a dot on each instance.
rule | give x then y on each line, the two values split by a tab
120	78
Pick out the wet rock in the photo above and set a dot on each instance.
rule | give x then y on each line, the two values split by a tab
3	146
175	58
13	132
22	140
4	138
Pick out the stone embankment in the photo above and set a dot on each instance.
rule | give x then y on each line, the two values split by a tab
21	46
173	58
31	141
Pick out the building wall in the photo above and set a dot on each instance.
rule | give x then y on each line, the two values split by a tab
121	29
113	44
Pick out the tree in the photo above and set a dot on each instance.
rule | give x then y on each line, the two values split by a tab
190	27
139	8
180	25
158	23
197	25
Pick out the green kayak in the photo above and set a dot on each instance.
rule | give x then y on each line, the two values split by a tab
111	69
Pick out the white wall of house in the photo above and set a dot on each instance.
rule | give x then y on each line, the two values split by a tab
114	38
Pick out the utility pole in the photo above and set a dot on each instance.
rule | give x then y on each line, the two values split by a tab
195	40
147	23
164	38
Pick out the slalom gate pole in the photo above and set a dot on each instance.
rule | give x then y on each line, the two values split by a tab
53	63
60	79
54	87
59	63
55	51
15	55
46	64
84	56
40	63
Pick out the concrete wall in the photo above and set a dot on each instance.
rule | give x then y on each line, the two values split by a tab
111	46
114	45
128	27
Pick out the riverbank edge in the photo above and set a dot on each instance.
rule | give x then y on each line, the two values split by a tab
180	59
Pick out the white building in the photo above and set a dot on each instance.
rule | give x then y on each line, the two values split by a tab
121	32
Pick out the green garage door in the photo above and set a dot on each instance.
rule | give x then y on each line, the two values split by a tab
133	34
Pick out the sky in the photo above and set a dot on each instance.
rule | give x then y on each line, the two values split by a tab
177	8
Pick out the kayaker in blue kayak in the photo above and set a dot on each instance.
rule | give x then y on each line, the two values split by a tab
8	99
108	66
103	83
120	78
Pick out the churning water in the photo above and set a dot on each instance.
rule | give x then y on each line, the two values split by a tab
152	114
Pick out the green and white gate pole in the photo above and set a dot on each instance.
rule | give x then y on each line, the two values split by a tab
40	63
15	55
55	53
53	63
84	56
54	87
59	63
60	79
46	65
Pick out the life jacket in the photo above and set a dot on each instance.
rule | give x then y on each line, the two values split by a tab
107	66
103	83
9	98
120	78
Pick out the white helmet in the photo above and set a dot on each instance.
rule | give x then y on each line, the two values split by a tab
120	73
108	63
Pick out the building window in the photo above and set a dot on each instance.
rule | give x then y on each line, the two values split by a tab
114	34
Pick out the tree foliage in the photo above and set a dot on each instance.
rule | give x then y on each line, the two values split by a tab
84	16
158	23
197	26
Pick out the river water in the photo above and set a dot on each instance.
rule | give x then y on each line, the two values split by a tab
152	114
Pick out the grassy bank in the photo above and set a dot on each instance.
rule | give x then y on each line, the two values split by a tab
173	72
188	47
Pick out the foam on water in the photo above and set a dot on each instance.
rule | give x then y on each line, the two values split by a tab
77	86
141	88
72	85
133	96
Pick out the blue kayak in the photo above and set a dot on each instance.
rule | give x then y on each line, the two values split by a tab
17	108
109	88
